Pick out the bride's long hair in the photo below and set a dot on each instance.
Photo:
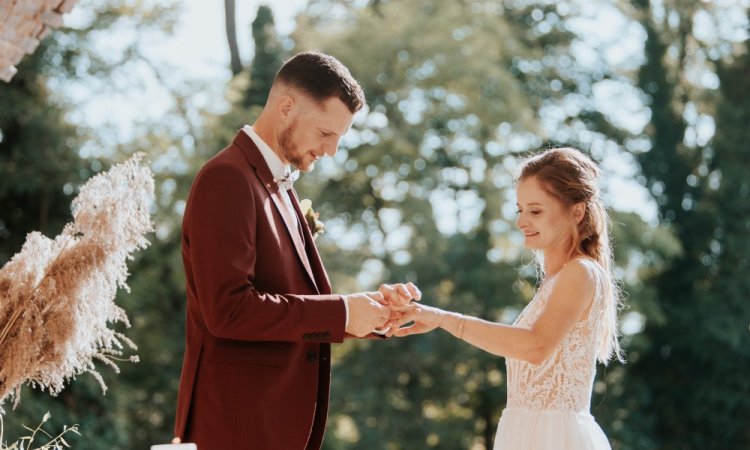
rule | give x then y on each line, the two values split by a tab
571	177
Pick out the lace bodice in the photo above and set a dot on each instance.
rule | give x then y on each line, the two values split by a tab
565	379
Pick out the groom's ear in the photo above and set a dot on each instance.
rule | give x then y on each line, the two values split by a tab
286	105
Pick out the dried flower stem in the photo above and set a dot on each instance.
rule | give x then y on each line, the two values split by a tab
54	443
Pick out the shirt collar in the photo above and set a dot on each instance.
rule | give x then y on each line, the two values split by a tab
278	168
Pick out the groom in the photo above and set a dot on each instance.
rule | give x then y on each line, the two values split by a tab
260	312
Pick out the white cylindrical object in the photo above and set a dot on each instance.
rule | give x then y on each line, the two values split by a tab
174	447
6	73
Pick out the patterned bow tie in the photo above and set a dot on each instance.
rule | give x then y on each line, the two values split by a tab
287	180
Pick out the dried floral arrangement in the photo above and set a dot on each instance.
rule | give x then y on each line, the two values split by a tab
57	295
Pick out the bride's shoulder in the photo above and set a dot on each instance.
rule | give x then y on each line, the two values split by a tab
581	272
573	289
584	264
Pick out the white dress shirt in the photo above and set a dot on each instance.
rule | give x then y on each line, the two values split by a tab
278	168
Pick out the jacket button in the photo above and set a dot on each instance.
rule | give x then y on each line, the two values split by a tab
312	356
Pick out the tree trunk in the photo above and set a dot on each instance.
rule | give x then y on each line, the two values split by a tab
234	54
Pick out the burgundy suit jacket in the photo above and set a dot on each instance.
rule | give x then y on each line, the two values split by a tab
260	314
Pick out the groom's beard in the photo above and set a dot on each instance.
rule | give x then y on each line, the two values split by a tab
290	148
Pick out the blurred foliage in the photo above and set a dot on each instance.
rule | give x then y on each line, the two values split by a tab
422	190
689	364
38	162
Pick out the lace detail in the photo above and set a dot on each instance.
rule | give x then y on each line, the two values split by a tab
565	379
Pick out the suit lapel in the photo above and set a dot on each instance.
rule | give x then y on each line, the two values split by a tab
255	158
291	227
323	283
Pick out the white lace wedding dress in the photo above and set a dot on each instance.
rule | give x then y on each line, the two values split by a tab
548	403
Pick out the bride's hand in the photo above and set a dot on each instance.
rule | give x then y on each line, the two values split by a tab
425	318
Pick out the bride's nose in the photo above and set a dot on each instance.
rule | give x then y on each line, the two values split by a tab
520	221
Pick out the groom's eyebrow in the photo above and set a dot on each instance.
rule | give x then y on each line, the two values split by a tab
327	131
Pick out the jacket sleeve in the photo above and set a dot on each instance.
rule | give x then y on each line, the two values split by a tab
220	240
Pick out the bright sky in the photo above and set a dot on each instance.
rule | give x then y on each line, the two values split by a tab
200	42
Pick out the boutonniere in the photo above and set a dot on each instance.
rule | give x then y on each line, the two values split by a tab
311	217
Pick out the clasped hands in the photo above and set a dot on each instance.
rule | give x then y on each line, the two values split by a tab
384	311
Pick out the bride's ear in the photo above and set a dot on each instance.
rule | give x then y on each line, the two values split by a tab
577	212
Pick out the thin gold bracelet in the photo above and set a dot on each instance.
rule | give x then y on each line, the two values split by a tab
461	323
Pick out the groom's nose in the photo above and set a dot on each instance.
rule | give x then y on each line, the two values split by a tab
330	148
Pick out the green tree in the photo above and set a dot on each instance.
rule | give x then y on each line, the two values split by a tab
267	59
39	165
690	368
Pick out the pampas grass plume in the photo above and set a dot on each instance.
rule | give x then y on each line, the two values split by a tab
57	295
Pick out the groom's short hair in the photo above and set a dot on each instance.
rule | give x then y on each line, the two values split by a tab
321	77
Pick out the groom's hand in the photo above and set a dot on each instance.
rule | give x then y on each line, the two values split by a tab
399	294
366	313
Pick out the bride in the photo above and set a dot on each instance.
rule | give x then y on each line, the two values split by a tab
552	348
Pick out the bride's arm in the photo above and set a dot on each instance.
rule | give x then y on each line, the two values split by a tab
569	301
